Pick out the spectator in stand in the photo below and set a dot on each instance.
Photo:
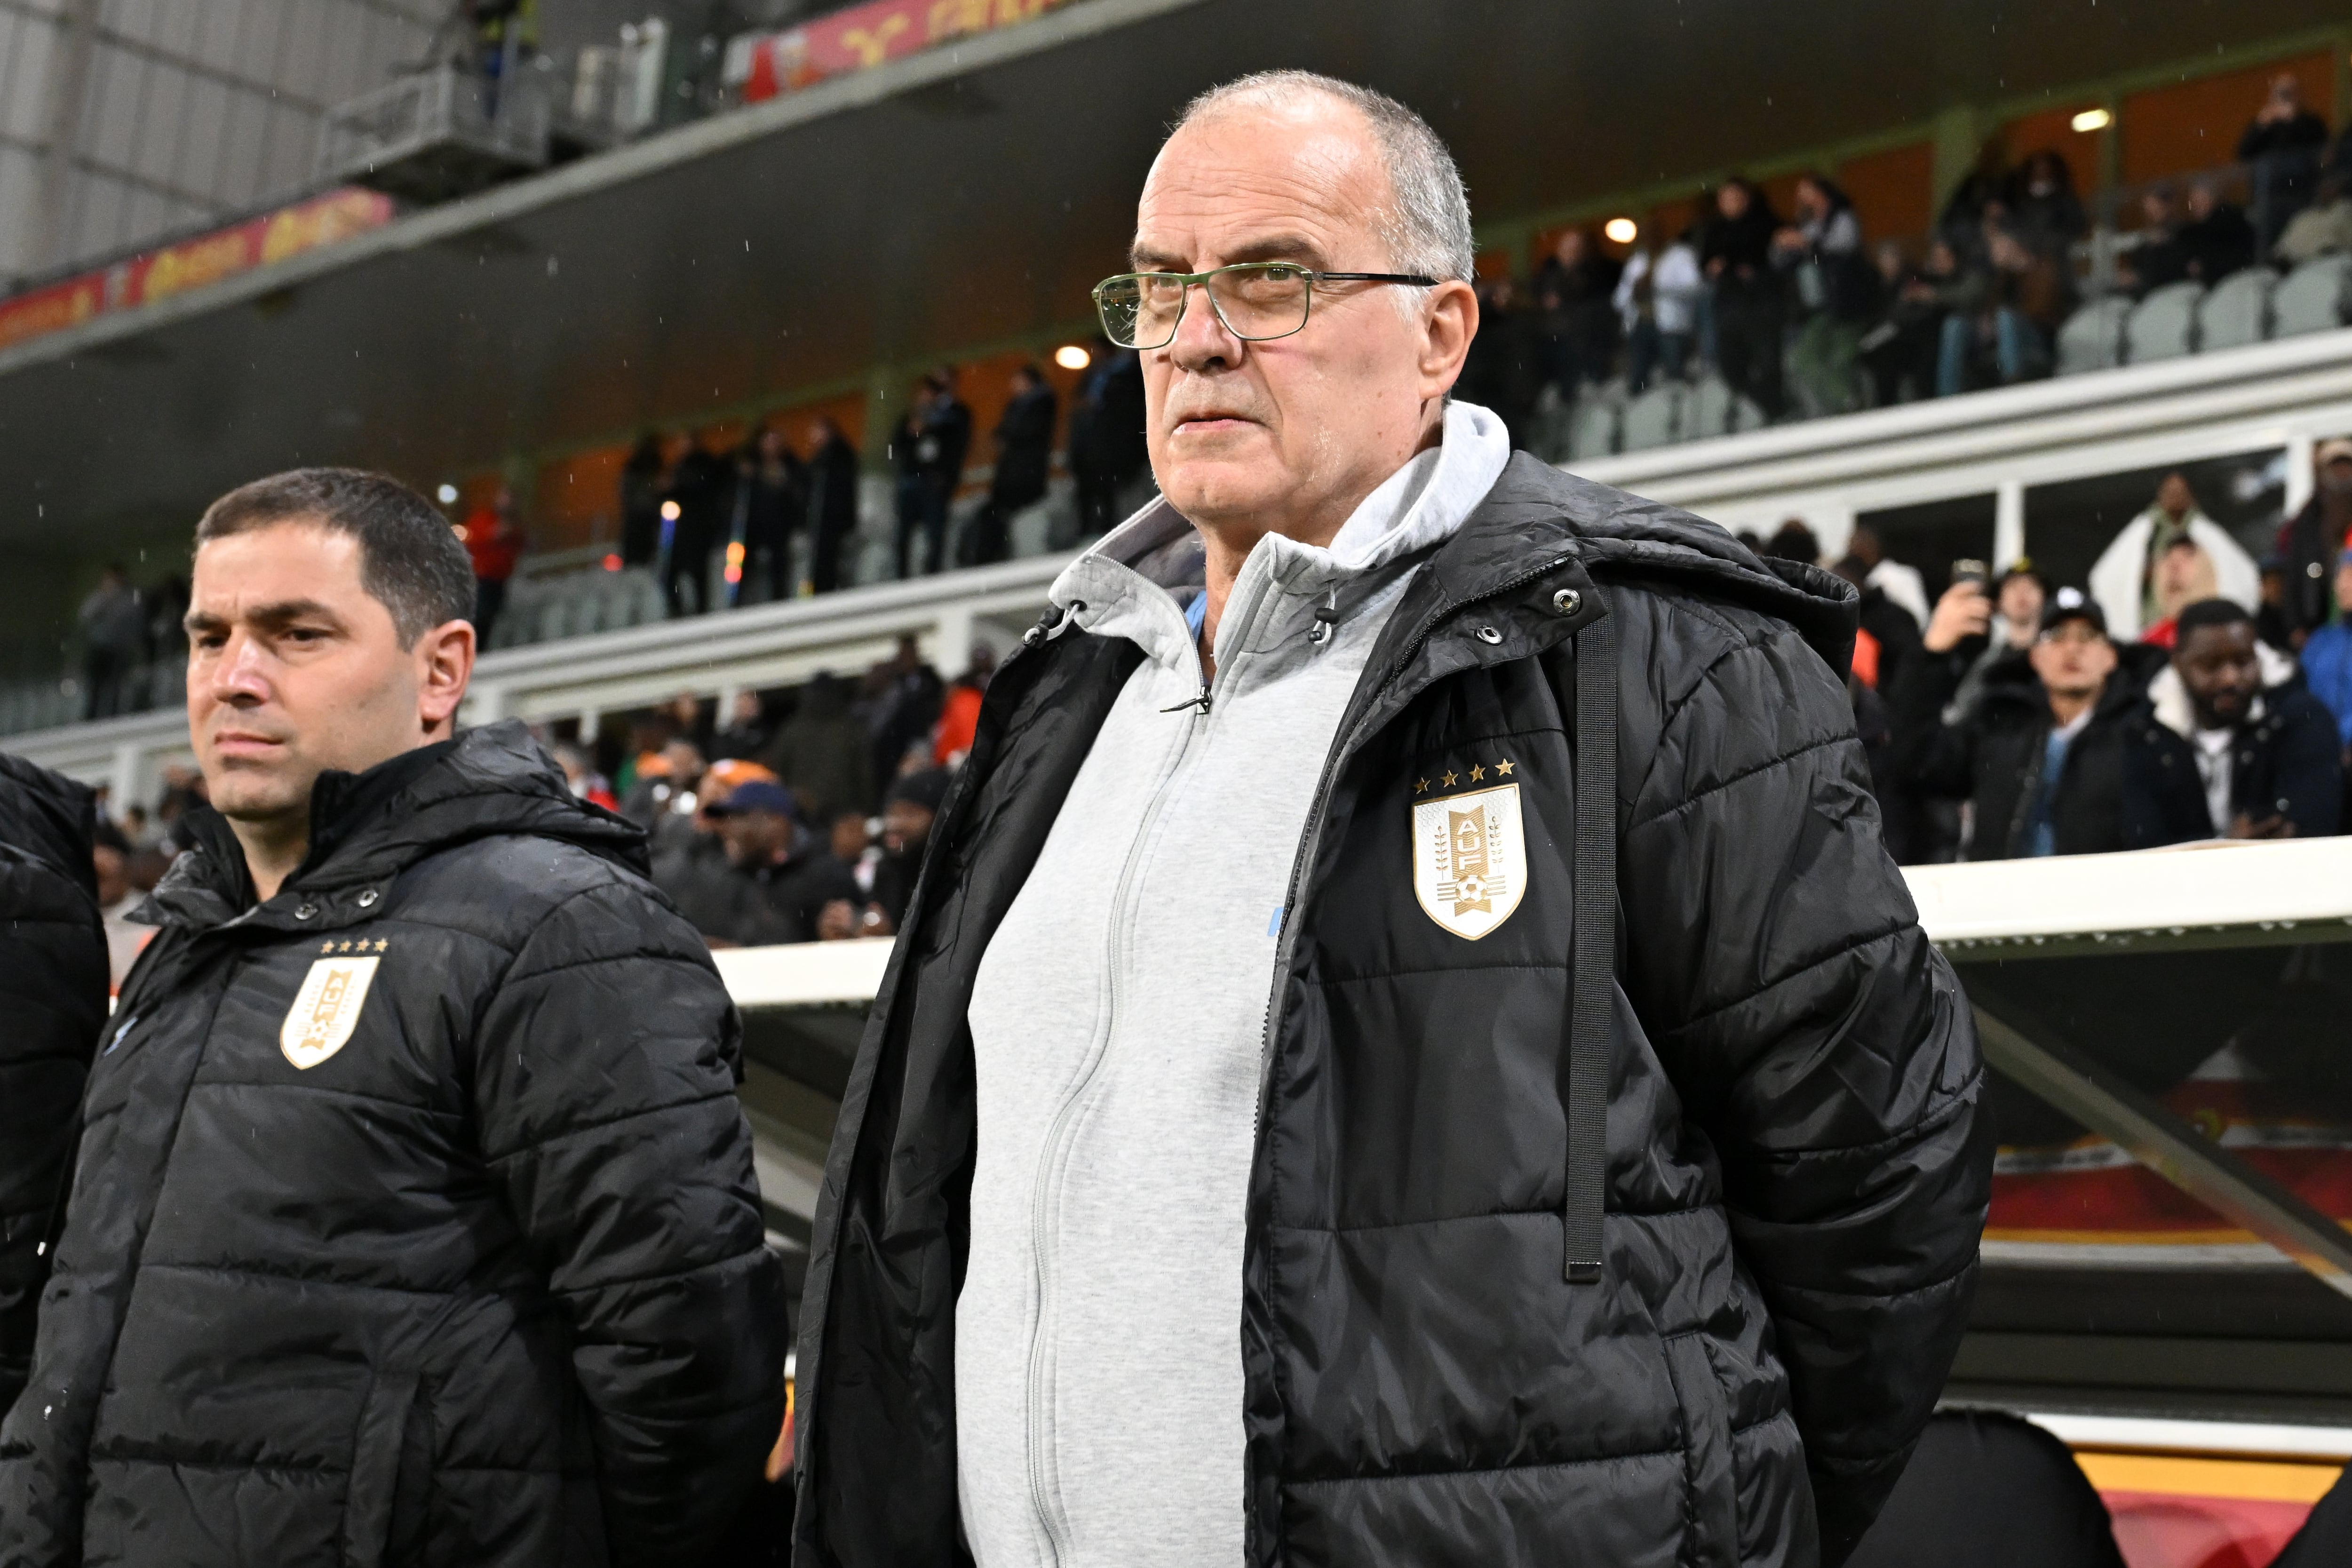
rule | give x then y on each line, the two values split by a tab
1986	186
1505	370
2236	747
493	544
1792	541
2309	542
1886	643
664	800
942	446
773	485
2044	213
1576	289
2157	256
167	631
903	696
1958	290
2217	240
1899	351
824	753
117	897
2327	658
1106	445
702	488
2125	579
645	484
581	777
746	732
113	642
832	475
908	444
908	812
2285	144
2184	576
959	710
691	866
1902	584
1736	253
780	876
1657	303
853	847
2323	228
1024	458
2031	292
2041	759
1836	293
2019	599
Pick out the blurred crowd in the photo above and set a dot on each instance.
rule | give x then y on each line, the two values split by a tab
2185	691
1805	314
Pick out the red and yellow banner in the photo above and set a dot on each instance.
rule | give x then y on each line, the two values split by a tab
867	36
193	263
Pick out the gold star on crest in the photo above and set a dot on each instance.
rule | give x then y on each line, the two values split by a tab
1421	787
380	944
1476	773
1448	780
342	947
326	947
1502	770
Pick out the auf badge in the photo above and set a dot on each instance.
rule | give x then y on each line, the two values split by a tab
1469	859
326	1009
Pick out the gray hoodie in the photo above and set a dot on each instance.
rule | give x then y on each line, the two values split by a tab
1117	1022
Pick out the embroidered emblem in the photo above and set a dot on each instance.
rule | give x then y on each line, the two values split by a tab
326	1009
1469	859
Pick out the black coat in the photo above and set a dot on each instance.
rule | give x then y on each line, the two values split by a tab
1024	446
1795	1174
2286	764
1994	758
53	984
485	1285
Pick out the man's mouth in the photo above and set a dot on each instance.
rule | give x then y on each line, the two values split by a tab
1210	422
234	744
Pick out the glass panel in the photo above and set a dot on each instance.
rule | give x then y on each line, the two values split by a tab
2067	525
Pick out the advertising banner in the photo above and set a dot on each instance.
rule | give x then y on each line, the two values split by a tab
864	36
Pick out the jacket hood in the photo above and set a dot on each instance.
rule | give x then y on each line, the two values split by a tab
50	818
1536	513
368	827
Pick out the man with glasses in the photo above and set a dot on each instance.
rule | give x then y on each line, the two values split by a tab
1408	1046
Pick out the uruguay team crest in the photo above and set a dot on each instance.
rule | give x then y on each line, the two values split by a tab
326	1009
1469	859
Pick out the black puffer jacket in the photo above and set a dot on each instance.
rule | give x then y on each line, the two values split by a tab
53	981
481	1282
1795	1174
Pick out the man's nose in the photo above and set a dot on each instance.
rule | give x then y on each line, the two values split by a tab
1202	342
240	675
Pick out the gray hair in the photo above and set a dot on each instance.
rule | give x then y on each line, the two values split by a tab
1428	230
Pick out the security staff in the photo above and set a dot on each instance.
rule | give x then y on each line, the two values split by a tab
414	1217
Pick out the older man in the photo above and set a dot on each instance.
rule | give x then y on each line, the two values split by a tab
1408	1048
413	1217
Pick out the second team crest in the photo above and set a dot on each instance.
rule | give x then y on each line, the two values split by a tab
1469	859
326	1010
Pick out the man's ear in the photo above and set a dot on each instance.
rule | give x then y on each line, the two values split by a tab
444	665
1453	321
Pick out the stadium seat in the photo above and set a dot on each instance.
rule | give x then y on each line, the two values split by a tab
2164	324
1653	419
2237	310
2092	338
2311	298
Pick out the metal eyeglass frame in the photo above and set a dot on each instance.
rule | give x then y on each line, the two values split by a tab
1201	280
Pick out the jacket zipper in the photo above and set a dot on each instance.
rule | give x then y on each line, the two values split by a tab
1044	1490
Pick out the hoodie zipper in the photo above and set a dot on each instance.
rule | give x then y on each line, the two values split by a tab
1043	1486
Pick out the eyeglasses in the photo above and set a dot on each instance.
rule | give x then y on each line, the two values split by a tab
1255	300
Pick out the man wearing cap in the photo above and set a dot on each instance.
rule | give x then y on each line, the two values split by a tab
779	874
1407	1047
2309	542
2043	753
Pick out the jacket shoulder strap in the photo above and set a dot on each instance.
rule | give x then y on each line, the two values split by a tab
1593	967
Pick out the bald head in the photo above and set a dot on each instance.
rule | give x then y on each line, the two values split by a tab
1425	216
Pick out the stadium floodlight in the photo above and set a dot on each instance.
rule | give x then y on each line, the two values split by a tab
1620	230
669	511
448	494
2092	120
1073	356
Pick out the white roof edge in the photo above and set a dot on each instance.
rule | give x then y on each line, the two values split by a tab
806	974
2203	886
2252	1438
